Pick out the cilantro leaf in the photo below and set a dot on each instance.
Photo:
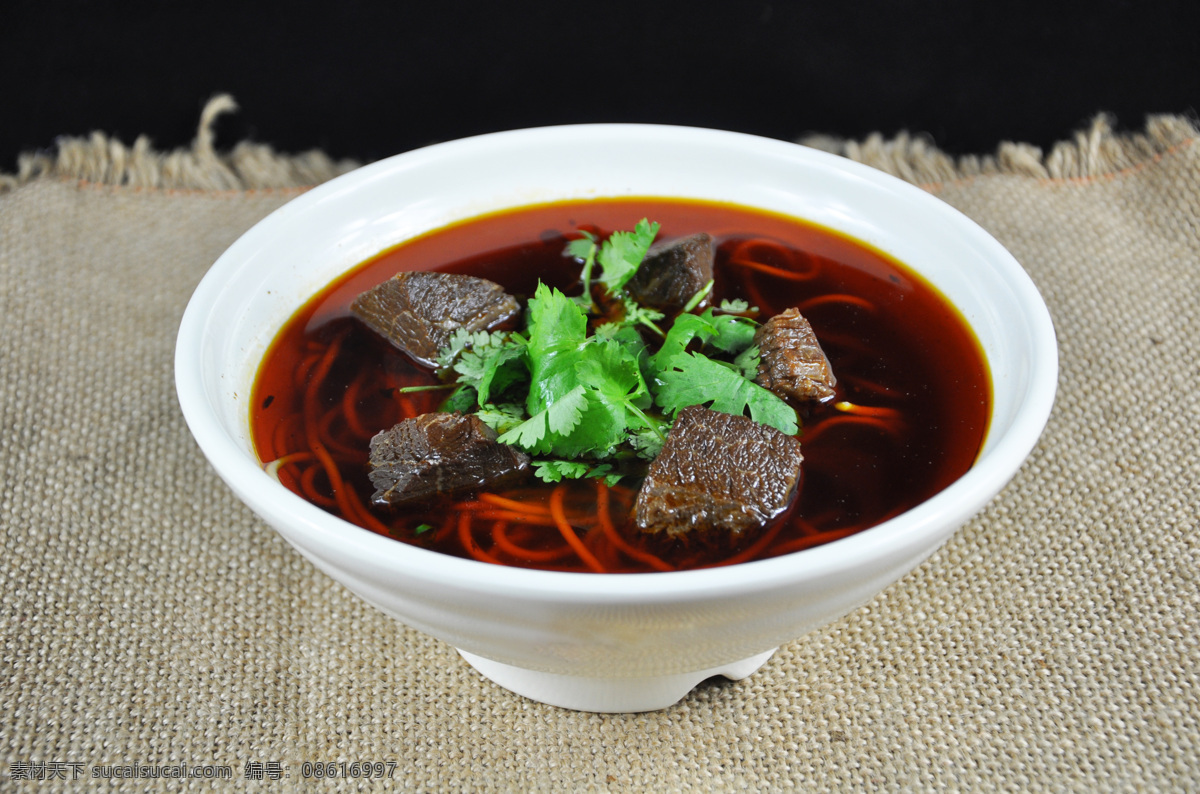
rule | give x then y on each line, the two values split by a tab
583	248
695	379
627	336
460	340
463	399
622	253
601	428
727	333
484	361
747	362
556	470
631	340
647	442
610	330
557	420
737	306
564	414
637	314
610	478
529	435
502	417
632	314
557	329
497	363
733	334
612	370
685	328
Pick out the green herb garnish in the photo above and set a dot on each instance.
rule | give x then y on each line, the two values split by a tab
695	379
555	470
622	254
585	393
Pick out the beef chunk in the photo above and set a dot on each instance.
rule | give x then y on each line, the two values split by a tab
673	272
437	454
792	362
718	471
418	311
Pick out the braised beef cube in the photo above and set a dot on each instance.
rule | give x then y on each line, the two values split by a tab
438	454
673	272
791	361
418	311
717	471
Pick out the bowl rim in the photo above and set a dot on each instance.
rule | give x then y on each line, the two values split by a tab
308	527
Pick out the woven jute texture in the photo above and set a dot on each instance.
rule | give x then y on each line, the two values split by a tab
148	618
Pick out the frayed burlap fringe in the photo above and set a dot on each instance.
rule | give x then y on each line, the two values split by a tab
100	159
1095	152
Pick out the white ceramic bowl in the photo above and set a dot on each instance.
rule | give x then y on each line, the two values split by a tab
619	642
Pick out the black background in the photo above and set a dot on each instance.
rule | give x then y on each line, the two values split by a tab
366	80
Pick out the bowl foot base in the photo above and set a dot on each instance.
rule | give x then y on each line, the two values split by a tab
607	694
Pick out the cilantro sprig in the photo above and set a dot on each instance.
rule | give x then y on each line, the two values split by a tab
589	393
695	379
484	361
622	253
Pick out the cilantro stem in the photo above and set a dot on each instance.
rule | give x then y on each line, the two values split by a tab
577	248
651	326
640	314
586	278
436	386
650	423
699	296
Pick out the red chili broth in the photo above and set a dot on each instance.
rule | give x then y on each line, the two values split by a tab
894	343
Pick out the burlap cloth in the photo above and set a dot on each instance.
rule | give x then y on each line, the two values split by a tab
149	618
